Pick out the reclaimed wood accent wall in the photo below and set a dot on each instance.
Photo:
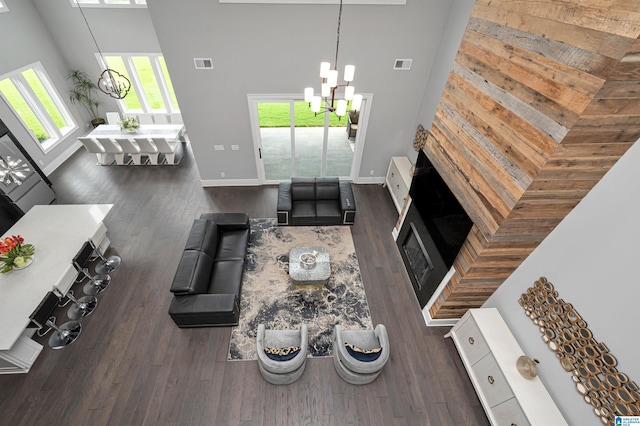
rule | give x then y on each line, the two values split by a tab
543	98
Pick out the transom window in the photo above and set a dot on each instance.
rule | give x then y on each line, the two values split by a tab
110	3
151	88
36	102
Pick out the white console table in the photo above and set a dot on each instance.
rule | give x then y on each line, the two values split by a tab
398	180
489	353
57	232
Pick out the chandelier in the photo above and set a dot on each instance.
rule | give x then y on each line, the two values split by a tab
110	82
330	85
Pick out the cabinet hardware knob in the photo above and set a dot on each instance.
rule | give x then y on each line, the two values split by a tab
471	340
491	379
397	186
513	424
393	174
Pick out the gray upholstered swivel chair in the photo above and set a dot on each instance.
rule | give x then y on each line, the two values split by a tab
360	355
281	370
64	334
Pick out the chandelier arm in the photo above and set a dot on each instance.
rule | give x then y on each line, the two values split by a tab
335	67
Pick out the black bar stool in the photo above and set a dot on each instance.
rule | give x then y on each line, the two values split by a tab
96	283
65	334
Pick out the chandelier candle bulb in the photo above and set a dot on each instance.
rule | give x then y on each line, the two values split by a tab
308	94
326	90
349	71
325	67
315	104
342	108
357	102
349	92
332	80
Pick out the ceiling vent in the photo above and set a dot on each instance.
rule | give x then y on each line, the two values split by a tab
203	63
402	64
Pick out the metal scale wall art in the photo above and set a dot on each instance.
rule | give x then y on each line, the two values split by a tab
594	370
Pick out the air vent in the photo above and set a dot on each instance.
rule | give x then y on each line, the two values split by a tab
203	63
402	64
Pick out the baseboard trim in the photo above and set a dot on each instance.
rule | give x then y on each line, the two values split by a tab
58	161
447	322
369	180
230	182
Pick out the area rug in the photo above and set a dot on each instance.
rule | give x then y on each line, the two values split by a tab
268	296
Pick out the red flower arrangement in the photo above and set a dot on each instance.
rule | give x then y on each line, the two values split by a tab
14	253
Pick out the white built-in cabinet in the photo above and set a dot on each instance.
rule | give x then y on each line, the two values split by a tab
398	180
489	353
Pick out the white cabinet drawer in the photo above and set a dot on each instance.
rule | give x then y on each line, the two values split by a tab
471	341
509	413
398	180
491	380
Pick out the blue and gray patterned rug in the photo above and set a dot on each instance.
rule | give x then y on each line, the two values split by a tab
268	296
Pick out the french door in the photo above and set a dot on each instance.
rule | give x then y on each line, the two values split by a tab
291	141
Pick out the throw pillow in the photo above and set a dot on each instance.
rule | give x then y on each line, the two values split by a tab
281	354
364	355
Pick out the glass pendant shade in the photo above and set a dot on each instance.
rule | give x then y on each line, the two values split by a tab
308	94
357	102
315	104
349	71
349	92
342	108
324	69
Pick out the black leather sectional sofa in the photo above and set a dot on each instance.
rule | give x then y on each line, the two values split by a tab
315	201
208	281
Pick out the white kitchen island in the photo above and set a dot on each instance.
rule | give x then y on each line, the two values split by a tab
57	232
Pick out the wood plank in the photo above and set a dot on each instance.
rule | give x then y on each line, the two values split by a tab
591	67
556	131
540	78
621	22
600	42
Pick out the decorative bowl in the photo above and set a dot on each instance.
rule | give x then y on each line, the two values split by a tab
308	260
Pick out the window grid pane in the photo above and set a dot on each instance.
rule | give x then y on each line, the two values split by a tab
167	79
45	98
22	108
143	68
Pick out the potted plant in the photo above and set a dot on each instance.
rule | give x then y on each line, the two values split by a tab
84	92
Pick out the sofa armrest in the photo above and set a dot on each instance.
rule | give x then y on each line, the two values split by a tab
201	310
284	203
347	203
228	221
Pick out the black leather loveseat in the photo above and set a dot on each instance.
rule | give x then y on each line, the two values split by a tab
315	201
208	281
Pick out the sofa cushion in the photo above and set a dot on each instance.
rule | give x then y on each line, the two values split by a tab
328	210
304	212
303	189
193	274
232	245
327	189
203	237
227	277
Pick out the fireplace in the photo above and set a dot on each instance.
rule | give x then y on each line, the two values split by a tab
433	231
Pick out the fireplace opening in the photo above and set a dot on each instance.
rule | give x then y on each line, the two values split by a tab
420	264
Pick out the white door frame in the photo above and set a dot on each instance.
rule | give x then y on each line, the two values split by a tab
252	102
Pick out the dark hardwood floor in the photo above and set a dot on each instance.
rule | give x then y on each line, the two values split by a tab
132	365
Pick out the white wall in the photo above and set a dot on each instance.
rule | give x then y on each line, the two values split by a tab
592	260
27	40
277	49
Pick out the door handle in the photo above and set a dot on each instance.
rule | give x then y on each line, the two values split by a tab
260	153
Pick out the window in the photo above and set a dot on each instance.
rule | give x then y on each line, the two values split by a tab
151	88
3	7
110	3
35	101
